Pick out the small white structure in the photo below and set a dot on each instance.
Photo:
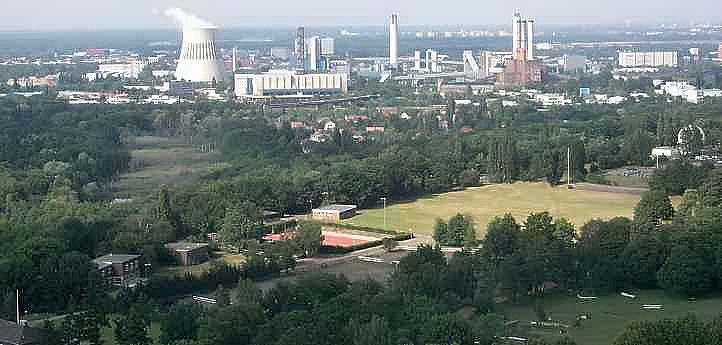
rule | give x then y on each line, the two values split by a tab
665	151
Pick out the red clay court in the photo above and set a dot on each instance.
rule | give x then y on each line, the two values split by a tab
332	239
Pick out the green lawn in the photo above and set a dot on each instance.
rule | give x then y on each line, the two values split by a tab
156	161
611	314
484	203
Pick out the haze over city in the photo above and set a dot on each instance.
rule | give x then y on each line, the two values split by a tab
93	15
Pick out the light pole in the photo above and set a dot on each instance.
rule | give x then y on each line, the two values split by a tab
384	199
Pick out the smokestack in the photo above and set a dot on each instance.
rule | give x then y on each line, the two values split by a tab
530	39
516	33
394	40
235	62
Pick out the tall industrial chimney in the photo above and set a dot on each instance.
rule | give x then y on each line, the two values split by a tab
530	39
199	60
235	62
394	40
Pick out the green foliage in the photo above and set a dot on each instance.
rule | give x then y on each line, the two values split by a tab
654	207
685	271
132	329
460	231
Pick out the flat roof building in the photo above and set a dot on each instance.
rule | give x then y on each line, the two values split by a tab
334	213
282	83
188	253
119	269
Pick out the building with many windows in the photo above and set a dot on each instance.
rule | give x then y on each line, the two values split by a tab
648	59
282	83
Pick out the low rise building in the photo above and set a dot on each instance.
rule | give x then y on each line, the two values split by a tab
187	253
119	269
334	213
280	83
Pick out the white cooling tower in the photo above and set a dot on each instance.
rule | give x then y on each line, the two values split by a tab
199	60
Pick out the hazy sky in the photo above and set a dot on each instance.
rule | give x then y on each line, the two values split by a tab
95	14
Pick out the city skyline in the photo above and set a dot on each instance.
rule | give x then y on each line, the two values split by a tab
88	15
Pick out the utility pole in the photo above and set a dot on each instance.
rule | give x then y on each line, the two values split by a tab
569	167
17	305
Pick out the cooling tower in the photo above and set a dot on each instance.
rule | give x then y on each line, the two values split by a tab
199	60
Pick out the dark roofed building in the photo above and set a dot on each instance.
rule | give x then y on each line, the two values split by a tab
12	333
119	269
187	253
334	213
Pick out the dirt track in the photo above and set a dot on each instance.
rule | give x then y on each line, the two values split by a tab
609	189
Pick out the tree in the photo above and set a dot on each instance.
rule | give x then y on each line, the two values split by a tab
685	271
309	237
654	207
459	231
374	332
502	238
389	244
447	329
180	323
641	261
242	223
684	331
231	325
132	328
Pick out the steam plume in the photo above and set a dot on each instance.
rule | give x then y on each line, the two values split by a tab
186	19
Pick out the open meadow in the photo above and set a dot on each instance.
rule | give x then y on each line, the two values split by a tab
609	315
484	203
158	160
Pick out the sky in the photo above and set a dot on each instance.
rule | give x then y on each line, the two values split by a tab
43	15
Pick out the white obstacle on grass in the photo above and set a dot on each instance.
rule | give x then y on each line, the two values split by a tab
628	295
586	297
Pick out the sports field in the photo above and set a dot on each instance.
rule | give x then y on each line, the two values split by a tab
484	203
610	315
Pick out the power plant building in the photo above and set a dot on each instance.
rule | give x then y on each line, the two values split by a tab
199	58
288	83
522	70
523	38
648	59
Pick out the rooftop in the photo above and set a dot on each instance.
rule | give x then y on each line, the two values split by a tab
335	208
115	259
185	246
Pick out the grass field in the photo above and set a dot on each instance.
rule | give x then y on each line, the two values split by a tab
484	203
157	160
611	314
197	270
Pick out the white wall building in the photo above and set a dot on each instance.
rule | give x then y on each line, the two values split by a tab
289	83
648	59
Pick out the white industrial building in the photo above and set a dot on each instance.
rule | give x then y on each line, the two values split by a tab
686	91
288	83
130	70
648	59
199	59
